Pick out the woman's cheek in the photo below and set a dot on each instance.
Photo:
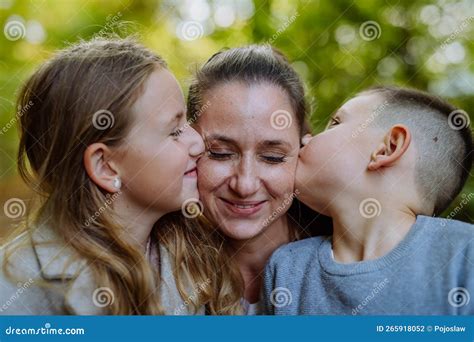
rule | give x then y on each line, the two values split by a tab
211	173
280	179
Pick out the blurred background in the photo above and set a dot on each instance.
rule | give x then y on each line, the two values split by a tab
338	47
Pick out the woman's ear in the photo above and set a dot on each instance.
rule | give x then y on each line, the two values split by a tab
100	169
393	147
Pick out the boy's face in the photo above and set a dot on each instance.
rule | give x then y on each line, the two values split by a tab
335	161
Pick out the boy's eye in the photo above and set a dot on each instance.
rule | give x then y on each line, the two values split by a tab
334	122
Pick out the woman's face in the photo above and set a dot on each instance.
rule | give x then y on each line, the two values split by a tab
158	166
252	143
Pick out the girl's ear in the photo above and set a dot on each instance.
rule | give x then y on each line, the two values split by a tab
393	147
100	168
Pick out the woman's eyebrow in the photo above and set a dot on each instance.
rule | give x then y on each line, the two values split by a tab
221	138
275	143
262	144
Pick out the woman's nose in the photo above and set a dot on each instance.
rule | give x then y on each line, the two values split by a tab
245	181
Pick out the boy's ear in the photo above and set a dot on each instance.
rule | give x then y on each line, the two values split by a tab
100	169
393	147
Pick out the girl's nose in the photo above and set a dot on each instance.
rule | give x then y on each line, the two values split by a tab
196	147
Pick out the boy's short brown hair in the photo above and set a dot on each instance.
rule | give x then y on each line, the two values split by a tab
442	136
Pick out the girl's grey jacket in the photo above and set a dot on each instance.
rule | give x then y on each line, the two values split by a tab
37	260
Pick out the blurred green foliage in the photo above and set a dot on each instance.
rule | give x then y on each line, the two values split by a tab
339	48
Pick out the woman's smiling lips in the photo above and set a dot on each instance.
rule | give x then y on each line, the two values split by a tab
242	208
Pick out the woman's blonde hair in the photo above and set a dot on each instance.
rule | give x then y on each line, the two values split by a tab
81	96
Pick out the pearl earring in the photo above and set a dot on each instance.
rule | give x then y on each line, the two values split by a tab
117	183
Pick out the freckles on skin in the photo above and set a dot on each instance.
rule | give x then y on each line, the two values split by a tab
242	114
246	112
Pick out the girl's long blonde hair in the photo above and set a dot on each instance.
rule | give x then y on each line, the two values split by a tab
67	103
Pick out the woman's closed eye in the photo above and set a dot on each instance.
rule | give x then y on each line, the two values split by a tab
219	154
273	159
226	154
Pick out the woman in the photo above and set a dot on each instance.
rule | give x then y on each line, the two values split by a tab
102	143
248	104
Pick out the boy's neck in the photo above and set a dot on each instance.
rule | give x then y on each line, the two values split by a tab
357	238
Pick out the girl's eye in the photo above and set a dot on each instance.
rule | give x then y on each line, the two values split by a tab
274	159
219	155
177	133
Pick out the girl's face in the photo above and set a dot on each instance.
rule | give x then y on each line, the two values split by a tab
158	162
249	168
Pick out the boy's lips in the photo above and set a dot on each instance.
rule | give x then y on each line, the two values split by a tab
242	208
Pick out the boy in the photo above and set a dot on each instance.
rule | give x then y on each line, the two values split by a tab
389	160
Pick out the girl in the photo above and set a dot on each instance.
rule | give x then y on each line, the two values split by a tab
102	143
